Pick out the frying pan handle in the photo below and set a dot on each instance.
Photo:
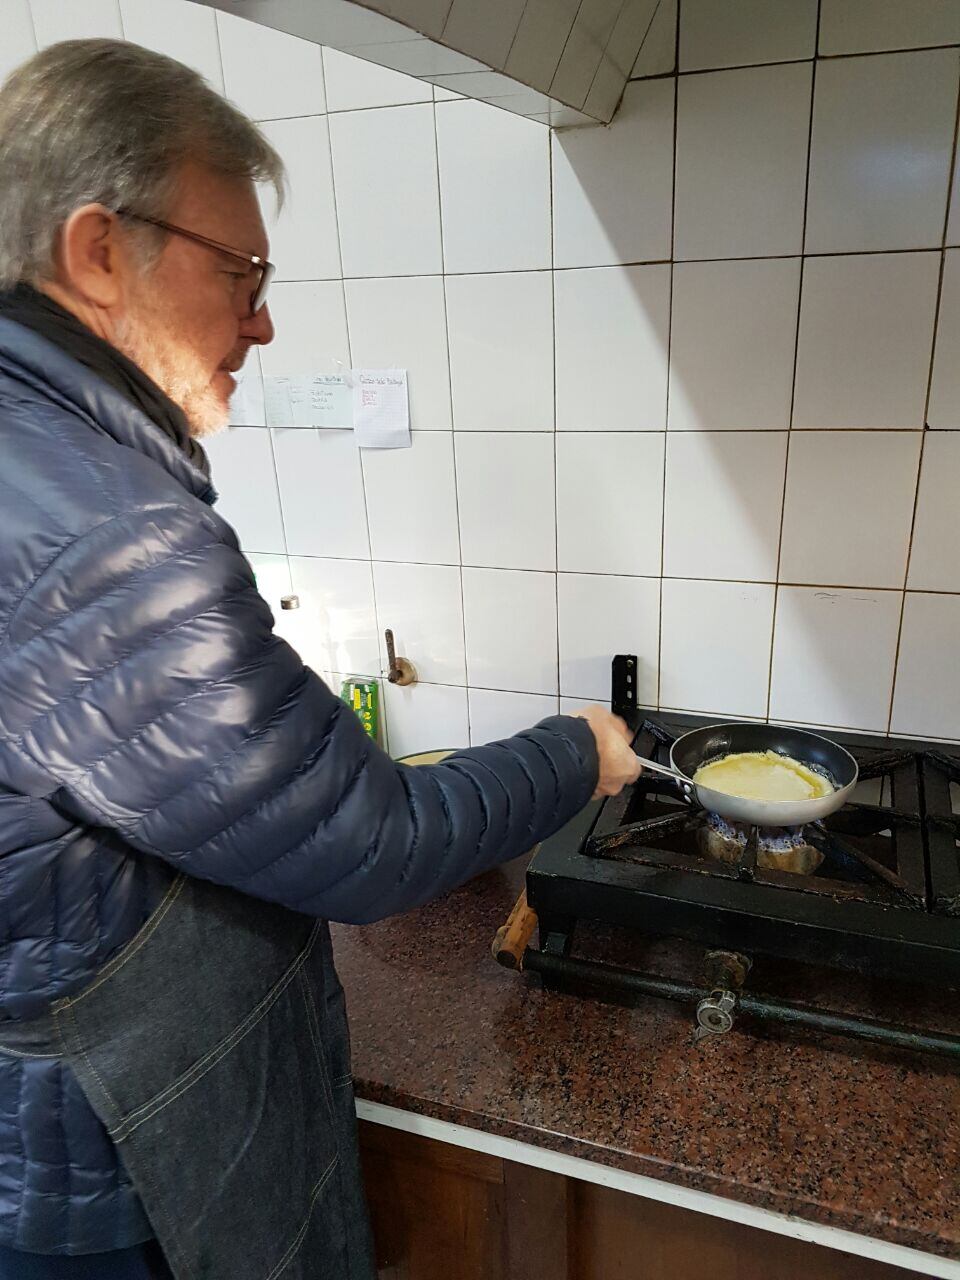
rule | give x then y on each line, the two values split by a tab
679	779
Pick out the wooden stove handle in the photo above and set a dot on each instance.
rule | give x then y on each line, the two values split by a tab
513	937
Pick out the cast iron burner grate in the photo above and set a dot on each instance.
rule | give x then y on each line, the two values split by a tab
884	901
871	852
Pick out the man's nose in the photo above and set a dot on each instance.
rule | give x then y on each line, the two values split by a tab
258	328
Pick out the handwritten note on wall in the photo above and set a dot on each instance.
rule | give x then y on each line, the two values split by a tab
372	402
381	414
308	400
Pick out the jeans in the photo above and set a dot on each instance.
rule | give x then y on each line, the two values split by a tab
141	1263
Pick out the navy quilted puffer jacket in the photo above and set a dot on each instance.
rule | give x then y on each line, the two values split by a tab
150	721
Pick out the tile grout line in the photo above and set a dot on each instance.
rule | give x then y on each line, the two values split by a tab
599	67
611	266
666	407
378	675
926	404
216	36
566	41
506	57
33	26
878	733
453	427
640	430
594	573
553	349
796	358
792	62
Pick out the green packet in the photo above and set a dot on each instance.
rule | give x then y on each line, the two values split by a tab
363	695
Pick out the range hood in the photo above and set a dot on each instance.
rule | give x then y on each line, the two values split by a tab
559	62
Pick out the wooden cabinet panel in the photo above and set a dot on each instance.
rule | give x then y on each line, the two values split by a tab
436	1209
444	1213
618	1236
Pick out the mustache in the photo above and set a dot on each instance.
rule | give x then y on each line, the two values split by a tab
235	360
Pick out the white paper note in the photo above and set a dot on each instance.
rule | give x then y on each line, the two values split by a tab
246	403
307	400
381	414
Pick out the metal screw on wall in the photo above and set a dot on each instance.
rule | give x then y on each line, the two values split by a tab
400	671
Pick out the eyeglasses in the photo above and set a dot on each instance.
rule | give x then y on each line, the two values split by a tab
265	269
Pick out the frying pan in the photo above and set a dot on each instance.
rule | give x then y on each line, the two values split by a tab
702	746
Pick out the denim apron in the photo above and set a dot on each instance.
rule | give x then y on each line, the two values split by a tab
214	1048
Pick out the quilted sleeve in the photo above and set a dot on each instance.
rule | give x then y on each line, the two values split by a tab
142	689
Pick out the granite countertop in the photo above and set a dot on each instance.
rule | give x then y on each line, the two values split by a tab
835	1131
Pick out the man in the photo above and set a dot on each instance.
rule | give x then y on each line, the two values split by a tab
182	804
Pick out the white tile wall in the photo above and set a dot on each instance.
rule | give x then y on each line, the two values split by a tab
732	344
274	581
600	615
860	26
246	479
716	646
736	33
321	489
303	239
495	715
609	321
934	562
623	535
19	40
188	34
833	656
425	717
411	501
526	283
385	169
722	504
866	331
422	605
400	323
835	481
510	623
311	329
351	84
337	620
658	53
493	226
501	350
742	162
868	110
953	221
944	411
270	75
505	483
612	188
81	20
927	699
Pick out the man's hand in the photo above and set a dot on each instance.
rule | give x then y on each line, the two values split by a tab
618	761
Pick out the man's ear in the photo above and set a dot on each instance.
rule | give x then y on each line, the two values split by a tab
92	258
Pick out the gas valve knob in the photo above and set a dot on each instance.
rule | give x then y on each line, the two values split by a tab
715	1014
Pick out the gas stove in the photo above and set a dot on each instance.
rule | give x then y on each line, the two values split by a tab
874	889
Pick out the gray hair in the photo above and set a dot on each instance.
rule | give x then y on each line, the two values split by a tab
105	122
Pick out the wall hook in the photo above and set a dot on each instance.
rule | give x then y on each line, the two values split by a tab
401	671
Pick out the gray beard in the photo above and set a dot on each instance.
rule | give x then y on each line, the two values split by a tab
148	343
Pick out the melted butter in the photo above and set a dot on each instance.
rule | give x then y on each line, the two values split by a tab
763	775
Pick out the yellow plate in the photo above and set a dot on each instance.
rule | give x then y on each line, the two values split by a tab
426	757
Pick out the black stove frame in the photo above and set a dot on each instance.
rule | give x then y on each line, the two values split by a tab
859	913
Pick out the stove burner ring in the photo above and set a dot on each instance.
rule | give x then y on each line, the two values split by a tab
778	848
